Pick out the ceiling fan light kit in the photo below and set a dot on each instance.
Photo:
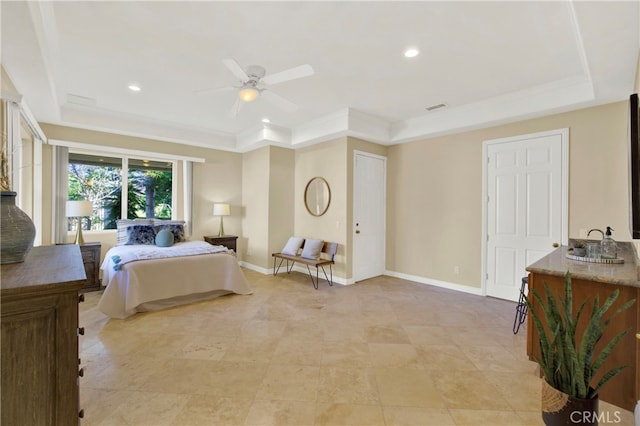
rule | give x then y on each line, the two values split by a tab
248	94
254	82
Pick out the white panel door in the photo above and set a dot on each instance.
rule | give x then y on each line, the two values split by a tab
369	182
524	184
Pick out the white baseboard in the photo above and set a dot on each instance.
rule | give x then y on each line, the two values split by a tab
269	271
437	283
253	267
350	281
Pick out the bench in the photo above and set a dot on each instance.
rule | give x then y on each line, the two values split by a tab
326	258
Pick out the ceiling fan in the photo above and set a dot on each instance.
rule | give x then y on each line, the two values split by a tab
254	83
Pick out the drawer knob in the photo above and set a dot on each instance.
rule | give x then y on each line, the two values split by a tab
81	372
81	331
81	298
81	414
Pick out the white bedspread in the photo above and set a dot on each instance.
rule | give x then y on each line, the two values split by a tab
142	285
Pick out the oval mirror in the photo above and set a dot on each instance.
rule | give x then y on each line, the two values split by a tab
317	196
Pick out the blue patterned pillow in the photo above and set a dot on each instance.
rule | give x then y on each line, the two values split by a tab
140	234
176	229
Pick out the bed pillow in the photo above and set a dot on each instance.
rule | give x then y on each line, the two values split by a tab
312	249
164	238
122	225
175	226
140	234
292	246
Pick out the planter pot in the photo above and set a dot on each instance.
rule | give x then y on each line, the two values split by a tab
17	231
558	408
581	252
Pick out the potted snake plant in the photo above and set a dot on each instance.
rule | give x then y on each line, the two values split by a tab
569	364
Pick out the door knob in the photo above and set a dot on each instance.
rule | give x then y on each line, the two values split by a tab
555	245
357	231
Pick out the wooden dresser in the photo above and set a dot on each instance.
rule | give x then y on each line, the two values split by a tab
40	365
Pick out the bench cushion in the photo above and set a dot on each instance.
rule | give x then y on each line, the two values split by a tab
292	246
312	249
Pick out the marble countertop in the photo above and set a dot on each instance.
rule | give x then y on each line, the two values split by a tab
556	263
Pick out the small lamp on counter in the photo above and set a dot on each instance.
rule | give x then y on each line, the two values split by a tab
222	210
79	209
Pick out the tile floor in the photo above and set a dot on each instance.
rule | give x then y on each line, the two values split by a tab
382	352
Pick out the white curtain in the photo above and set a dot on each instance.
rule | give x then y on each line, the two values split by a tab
60	193
187	179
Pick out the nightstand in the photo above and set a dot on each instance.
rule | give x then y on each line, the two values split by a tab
229	241
91	259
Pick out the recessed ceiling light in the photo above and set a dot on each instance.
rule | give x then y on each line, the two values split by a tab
266	120
412	52
134	88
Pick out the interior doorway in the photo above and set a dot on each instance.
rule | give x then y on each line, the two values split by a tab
369	215
525	208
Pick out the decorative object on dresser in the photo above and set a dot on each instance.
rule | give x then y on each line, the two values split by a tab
229	241
17	230
222	210
79	210
39	362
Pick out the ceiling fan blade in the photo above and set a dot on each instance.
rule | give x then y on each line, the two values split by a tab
236	69
290	74
235	108
279	101
214	90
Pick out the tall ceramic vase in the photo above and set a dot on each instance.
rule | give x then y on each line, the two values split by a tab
17	231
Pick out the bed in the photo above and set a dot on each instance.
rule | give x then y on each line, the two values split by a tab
143	278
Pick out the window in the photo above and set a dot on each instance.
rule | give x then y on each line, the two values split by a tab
99	179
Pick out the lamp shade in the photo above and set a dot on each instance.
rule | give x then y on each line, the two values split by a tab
79	208
220	209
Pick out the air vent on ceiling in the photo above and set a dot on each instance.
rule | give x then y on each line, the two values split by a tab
435	107
80	100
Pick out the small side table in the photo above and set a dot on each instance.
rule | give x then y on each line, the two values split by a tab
91	259
229	241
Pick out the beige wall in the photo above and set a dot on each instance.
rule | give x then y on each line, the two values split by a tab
328	160
267	194
332	160
434	191
255	201
281	197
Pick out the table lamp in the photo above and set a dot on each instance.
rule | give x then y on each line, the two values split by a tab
222	210
79	209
